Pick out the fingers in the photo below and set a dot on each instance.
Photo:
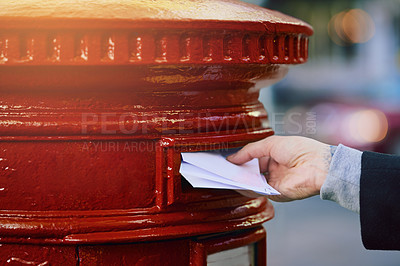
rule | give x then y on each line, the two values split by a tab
247	153
253	150
279	198
263	163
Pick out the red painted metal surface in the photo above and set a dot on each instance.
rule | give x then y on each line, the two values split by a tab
97	102
213	244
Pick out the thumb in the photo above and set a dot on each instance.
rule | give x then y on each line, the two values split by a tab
252	150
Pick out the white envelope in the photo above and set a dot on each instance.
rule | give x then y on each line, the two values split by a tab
212	170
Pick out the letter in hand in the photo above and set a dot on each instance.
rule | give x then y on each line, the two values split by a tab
295	166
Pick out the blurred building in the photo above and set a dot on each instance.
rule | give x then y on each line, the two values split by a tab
348	92
351	82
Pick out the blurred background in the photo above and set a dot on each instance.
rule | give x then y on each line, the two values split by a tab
348	92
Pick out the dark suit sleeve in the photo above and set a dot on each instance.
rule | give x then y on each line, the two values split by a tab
380	201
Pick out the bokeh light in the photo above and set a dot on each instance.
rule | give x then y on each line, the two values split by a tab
350	27
366	126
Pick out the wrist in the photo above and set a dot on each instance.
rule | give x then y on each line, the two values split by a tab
327	154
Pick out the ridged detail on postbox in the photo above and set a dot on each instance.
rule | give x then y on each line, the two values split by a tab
159	47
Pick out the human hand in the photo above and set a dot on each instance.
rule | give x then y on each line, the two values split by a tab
295	166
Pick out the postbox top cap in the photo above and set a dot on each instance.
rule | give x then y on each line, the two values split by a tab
153	10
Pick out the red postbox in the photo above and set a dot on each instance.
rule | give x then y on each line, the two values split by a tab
98	100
